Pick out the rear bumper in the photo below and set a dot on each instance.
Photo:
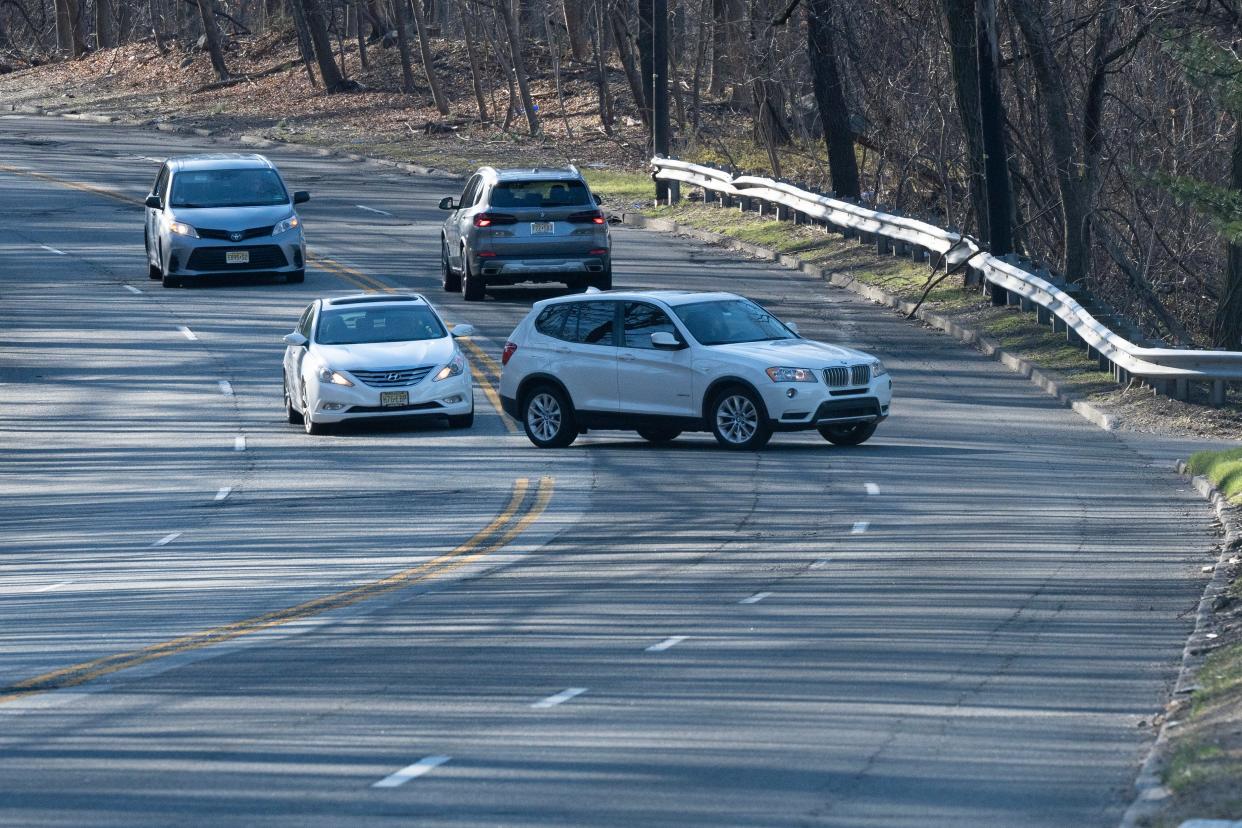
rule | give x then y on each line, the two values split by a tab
506	270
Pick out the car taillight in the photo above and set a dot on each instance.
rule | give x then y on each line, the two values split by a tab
493	219
510	350
598	251
588	217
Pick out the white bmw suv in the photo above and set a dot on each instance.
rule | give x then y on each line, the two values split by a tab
664	362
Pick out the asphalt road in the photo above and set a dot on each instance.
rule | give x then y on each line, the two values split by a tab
207	617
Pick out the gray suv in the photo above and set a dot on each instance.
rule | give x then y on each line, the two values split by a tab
225	213
529	225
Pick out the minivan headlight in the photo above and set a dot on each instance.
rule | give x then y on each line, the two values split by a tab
285	226
455	367
326	374
782	374
182	229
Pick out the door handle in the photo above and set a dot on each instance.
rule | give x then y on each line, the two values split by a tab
627	357
561	350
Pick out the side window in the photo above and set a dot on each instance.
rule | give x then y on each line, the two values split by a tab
551	321
595	323
641	321
304	324
161	182
471	194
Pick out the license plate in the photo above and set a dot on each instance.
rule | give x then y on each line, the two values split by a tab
388	399
541	228
237	257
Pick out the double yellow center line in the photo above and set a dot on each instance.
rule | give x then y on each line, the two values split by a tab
525	506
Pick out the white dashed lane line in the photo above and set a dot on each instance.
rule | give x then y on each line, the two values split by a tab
132	289
859	527
754	599
559	698
51	587
226	388
167	539
239	444
52	250
872	489
372	210
224	492
820	564
409	772
667	643
187	333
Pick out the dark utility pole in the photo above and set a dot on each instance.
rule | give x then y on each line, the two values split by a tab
659	83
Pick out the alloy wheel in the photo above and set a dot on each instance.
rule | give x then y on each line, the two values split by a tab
737	419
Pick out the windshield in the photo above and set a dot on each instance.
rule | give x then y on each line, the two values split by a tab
391	324
568	193
731	320
255	187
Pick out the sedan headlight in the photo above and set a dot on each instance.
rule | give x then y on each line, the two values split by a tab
182	229
791	375
456	365
285	226
878	369
326	374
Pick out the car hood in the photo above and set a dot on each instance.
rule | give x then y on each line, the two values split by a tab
232	218
795	353
385	356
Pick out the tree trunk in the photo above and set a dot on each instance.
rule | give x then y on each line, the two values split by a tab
403	47
646	57
304	40
317	25
424	49
621	35
575	25
518	62
207	12
476	73
599	47
834	113
1227	326
65	35
105	25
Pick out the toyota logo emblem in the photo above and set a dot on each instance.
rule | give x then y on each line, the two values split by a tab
393	377
236	236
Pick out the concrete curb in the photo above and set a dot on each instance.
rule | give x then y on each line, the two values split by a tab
970	337
246	138
1149	788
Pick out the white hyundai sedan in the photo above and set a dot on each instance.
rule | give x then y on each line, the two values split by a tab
664	362
375	355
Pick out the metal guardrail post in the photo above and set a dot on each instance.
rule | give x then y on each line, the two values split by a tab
1182	391
883	247
1218	393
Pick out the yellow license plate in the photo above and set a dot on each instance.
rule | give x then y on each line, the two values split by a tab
390	399
541	228
237	257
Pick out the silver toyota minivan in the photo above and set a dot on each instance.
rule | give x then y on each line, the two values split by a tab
222	214
524	225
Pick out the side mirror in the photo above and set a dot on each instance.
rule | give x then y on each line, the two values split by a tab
462	329
296	339
665	341
301	197
154	202
598	200
446	203
793	326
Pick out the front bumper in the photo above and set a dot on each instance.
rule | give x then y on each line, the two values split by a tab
814	404
185	256
336	403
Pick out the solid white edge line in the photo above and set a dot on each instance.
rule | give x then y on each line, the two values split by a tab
756	598
53	249
167	539
187	333
427	763
132	289
224	492
559	698
239	443
51	587
667	643
872	489
226	388
860	527
372	210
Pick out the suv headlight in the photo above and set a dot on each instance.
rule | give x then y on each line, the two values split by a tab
791	375
182	229
326	374
456	365
878	369
285	226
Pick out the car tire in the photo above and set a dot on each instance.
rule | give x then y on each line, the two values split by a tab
292	415
450	280
738	420
659	435
296	277
153	272
601	281
548	417
854	434
472	286
170	281
461	420
309	425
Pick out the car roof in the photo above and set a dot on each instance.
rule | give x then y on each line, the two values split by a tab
374	299
219	161
668	297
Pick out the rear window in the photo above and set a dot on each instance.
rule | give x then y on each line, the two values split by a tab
255	187
567	193
373	324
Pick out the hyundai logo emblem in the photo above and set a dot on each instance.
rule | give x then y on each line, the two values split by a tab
236	236
393	377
